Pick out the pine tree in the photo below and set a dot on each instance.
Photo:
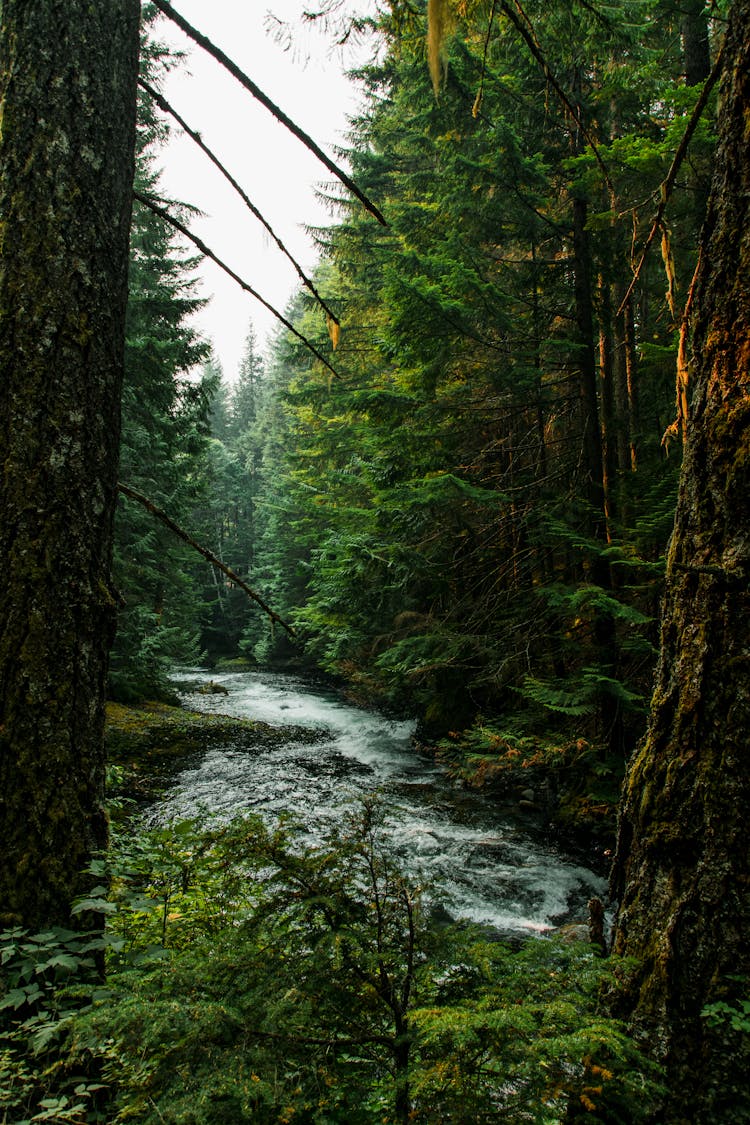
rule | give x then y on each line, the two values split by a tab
213	378
682	868
68	90
246	391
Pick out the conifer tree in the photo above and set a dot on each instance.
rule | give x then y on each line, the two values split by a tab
68	90
213	377
246	390
683	865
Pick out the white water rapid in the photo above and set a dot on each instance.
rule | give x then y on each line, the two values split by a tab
468	854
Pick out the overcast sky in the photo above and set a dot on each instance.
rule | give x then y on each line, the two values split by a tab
275	169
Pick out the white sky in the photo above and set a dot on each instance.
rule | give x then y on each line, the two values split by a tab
278	173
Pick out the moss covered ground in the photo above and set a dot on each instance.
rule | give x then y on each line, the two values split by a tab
149	741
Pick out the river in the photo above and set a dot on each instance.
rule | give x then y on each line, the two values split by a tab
474	859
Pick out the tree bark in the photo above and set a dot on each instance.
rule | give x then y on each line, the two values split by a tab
683	861
68	71
695	44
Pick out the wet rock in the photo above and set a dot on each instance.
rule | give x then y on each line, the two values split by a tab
575	931
212	688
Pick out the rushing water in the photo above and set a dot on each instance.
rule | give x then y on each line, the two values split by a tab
473	860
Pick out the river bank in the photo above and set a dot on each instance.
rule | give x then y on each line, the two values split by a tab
282	747
149	742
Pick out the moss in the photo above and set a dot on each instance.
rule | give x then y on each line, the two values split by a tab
233	664
151	741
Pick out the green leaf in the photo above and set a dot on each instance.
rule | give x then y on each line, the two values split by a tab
96	905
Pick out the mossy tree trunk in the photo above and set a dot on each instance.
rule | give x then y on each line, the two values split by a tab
683	864
68	72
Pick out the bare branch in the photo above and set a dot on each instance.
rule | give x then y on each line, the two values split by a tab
169	218
164	105
523	26
480	92
209	555
667	187
264	100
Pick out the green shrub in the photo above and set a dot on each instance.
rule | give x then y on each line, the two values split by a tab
255	977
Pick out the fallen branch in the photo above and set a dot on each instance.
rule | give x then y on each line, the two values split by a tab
169	218
667	187
197	37
165	107
209	555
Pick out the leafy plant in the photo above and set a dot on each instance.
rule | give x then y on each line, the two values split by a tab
254	976
47	980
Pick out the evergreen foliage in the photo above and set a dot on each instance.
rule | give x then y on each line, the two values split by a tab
472	520
252	977
470	524
228	516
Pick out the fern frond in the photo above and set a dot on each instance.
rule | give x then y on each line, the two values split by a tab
574	701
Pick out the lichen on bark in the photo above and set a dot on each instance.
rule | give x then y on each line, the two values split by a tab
68	72
682	871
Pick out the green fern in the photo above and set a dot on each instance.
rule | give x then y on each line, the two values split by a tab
553	696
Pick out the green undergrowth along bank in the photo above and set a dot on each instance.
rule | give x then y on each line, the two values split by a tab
566	781
252	977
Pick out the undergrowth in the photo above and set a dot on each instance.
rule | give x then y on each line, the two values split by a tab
254	977
574	785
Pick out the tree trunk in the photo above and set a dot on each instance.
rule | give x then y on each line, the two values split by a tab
607	400
683	862
585	355
593	486
626	391
68	73
695	46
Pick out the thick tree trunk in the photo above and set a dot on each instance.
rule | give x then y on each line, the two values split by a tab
683	863
68	72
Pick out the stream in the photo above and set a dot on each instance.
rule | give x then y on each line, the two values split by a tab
474	858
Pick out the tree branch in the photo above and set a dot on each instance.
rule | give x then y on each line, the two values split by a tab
209	555
480	92
197	37
168	218
525	29
667	187
164	105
